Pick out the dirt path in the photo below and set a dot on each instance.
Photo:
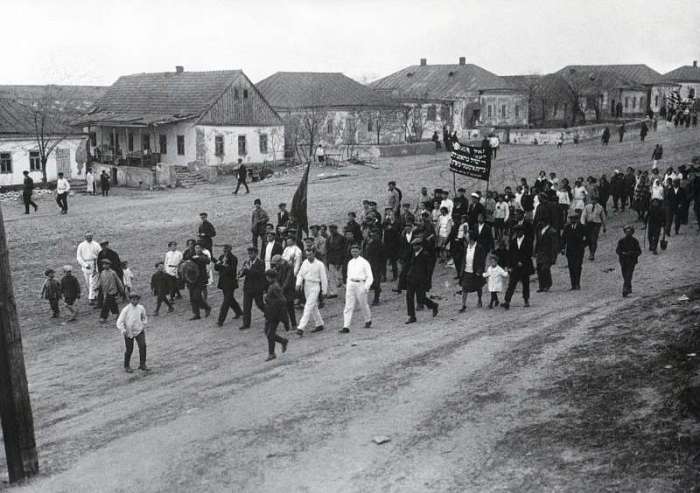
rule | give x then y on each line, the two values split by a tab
464	398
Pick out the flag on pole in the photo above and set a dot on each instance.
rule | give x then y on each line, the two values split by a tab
298	213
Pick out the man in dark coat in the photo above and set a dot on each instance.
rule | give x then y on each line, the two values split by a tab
484	234
354	227
546	250
655	223
630	181
254	285
391	244
372	252
242	176
282	215
287	280
206	232
520	266
574	239
227	267
418	280
160	287
460	205
628	251
198	283
405	252
275	312
27	191
108	254
676	202
475	208
617	189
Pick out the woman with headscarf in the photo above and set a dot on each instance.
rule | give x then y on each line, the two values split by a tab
642	195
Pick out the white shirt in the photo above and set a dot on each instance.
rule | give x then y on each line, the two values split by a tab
360	270
172	261
495	276
62	186
132	320
313	272
449	204
657	191
210	267
502	211
493	141
319	151
87	254
292	254
469	259
564	198
462	231
128	278
268	254
444	226
519	241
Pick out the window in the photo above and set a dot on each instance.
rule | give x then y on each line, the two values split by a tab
503	111
627	102
555	110
329	127
517	111
489	111
641	102
163	144
180	145
219	145
263	143
34	161
432	113
241	145
93	139
634	102
245	93
114	140
444	113
235	93
656	101
369	125
146	142
5	162
130	142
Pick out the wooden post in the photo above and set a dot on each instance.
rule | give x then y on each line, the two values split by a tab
15	408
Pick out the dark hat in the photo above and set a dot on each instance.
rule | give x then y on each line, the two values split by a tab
49	271
332	226
105	242
314	226
203	214
106	261
372	203
282	204
437	190
159	263
134	295
461	190
227	246
628	227
406	204
257	202
252	249
172	243
271	274
573	214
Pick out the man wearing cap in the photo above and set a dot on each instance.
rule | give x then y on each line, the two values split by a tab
271	248
406	215
359	281
206	232
287	280
319	243
227	267
173	258
253	287
335	246
418	280
106	253
373	217
628	251
70	289
87	253
393	199
617	189
546	250
475	208
242	177
282	215
131	323
312	279
391	244
199	282
27	192
110	287
354	227
520	265
574	239
461	205
258	222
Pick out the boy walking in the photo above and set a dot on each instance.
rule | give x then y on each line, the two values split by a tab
275	312
131	323
51	290
111	286
496	276
160	286
70	287
128	277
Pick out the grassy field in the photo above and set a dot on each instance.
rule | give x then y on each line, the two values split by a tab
212	416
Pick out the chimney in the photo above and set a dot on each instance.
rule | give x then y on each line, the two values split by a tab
423	62
462	60
179	69
695	63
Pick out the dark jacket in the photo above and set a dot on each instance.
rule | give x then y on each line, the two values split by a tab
574	240
473	212
335	249
628	250
419	269
355	229
520	259
617	184
275	304
28	186
392	239
70	287
254	273
479	264
206	233
104	182
676	200
460	208
286	279
485	238
242	172
547	247
227	267
113	257
277	249
161	283
282	218
202	261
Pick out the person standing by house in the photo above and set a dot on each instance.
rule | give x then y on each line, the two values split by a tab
574	239
359	282
605	138
242	177
320	154
87	254
89	182
227	267
27	191
643	131
105	183
312	279
253	286
132	323
206	232
258	223
275	312
628	251
62	189
160	287
656	156
494	143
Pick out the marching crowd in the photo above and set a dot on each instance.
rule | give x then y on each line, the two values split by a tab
493	239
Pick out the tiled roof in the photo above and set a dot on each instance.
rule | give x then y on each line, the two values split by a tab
289	90
550	86
72	100
633	73
686	73
18	119
440	82
587	80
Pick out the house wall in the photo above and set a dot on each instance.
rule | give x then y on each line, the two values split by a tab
206	147
516	110
687	86
241	102
19	149
632	102
657	96
552	136
131	176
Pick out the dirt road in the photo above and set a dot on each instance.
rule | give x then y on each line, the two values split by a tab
471	402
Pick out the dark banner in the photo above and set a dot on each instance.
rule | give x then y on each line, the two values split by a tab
470	161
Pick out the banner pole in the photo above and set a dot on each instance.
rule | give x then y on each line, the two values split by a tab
454	183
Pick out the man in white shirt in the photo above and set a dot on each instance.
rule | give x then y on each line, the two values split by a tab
131	323
312	278
292	254
494	142
173	258
447	202
62	189
271	248
87	259
359	281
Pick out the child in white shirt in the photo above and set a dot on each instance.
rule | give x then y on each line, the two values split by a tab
496	276
127	278
444	230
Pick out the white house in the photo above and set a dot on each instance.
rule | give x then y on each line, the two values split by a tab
19	148
181	118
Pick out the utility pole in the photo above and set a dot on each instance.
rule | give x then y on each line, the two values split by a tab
15	408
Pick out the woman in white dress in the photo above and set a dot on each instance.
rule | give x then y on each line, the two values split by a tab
90	181
580	194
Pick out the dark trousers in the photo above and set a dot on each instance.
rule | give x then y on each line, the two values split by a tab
242	182
62	201
393	261
416	294
53	302
544	276
654	232
229	303
627	267
494	299
162	299
593	233
272	337
615	199
105	191
291	312
174	290
109	304
197	300
248	299
515	277
677	221
129	343
27	199
696	208
575	262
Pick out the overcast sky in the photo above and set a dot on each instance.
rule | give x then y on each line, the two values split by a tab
94	42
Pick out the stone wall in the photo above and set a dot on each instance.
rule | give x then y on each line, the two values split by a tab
131	176
552	136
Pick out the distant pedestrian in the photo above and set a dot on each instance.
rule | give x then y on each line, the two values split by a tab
198	281
62	189
656	156
605	138
574	239
161	288
520	265
593	218
173	259
105	183
474	265
628	251
275	312
621	132
643	131
418	280
51	290
494	143
70	289
320	154
27	191
242	176
206	232
132	323
89	182
258	223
